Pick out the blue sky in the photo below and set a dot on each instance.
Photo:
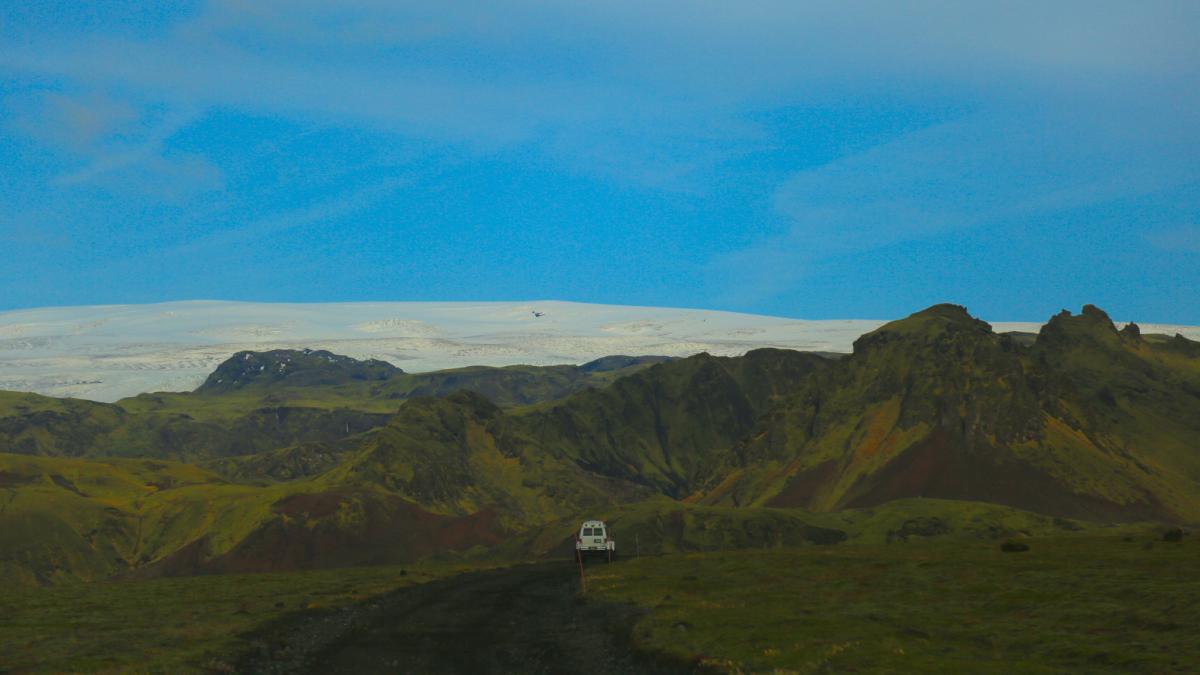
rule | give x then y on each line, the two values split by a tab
805	159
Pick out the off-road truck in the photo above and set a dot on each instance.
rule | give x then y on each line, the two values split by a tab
595	538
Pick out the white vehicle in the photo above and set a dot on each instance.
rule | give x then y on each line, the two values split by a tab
595	538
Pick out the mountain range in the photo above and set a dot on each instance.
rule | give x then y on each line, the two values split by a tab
289	459
110	352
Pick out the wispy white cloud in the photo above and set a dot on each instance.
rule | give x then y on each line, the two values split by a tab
114	144
588	76
78	123
330	209
981	171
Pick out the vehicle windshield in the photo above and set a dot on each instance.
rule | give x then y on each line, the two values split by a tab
587	531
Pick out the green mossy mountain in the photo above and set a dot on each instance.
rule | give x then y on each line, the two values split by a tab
262	401
37	425
441	474
355	463
1087	422
665	426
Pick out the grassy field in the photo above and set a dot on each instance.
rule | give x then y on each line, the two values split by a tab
172	625
1075	603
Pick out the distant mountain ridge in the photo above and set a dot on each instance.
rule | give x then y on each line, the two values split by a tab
260	401
107	353
295	367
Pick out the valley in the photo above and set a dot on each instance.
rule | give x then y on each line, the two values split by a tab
936	436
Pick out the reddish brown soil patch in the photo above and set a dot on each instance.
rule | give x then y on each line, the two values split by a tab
804	485
186	561
945	466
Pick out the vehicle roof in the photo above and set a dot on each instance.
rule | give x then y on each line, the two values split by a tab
593	523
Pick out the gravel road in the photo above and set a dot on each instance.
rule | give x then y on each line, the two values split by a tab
525	619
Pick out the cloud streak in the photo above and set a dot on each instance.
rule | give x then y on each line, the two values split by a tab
1185	239
982	171
506	72
117	145
330	209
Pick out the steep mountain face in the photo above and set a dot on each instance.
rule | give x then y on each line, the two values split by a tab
649	433
1135	401
445	455
937	405
665	427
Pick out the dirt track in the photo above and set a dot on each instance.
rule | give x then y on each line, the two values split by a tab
525	619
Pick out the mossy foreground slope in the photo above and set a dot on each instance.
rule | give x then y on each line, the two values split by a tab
1094	604
295	460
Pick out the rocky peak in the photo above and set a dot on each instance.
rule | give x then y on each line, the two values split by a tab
933	324
1096	314
1092	324
1132	332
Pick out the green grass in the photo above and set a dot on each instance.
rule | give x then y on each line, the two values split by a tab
1079	603
172	625
662	526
